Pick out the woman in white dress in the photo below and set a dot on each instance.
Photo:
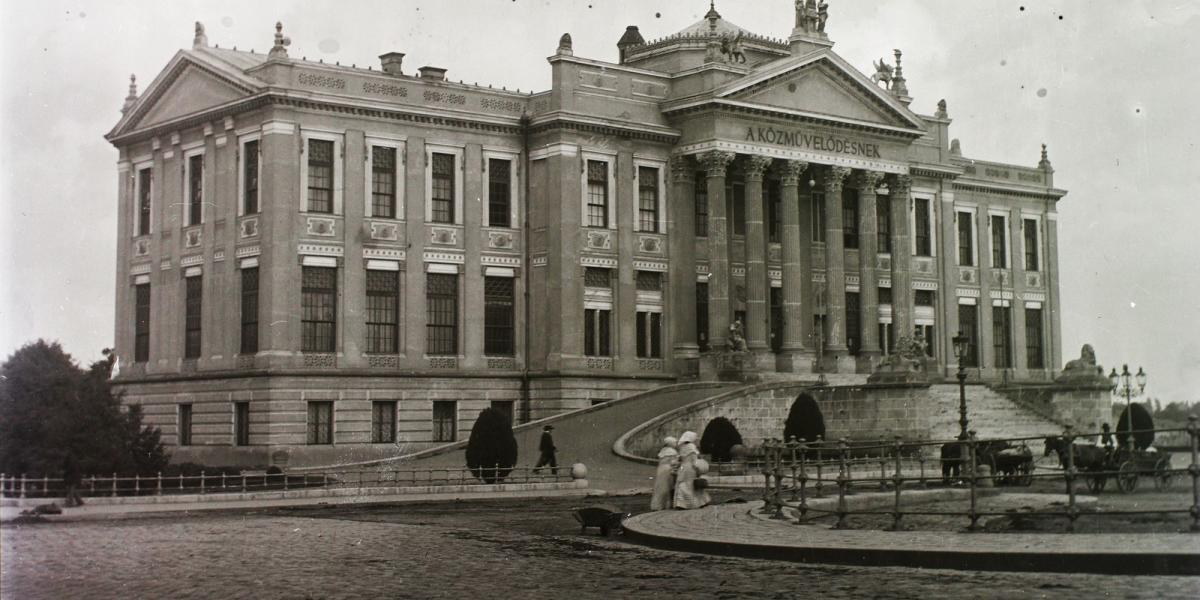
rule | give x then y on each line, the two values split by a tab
686	495
664	477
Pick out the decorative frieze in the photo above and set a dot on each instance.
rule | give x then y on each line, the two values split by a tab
539	261
501	363
650	364
219	256
599	363
247	251
384	254
500	260
321	250
140	269
191	260
443	362
383	361
647	265
597	261
165	265
651	244
321	227
453	258
320	361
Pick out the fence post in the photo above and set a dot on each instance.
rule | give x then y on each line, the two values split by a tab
921	464
158	485
1069	474
92	485
1193	429
137	484
972	481
779	483
802	483
114	485
181	480
794	465
843	482
767	450
22	485
222	481
202	482
882	464
820	468
897	481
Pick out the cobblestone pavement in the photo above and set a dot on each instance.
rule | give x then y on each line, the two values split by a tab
506	549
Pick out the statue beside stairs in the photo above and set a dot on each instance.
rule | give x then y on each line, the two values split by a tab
904	365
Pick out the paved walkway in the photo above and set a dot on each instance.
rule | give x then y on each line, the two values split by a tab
739	529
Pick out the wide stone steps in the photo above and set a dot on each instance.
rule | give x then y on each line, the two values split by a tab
990	414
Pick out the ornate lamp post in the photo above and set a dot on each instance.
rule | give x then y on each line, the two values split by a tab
962	344
1123	384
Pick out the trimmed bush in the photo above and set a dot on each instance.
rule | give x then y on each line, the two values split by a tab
805	420
1141	420
492	448
720	436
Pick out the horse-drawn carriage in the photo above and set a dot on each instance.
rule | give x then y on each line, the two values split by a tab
1124	464
1009	464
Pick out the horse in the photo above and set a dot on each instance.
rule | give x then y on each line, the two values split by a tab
953	455
1090	459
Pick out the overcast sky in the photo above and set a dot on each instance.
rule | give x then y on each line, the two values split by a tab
1109	86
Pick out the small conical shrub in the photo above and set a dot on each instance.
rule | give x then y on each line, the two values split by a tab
805	420
491	449
1141	420
719	437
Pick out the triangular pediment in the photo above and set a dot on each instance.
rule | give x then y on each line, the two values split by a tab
821	84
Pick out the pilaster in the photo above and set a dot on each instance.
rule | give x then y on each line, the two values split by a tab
681	233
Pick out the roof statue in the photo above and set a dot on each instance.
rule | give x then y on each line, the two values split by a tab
941	110
279	50
883	72
201	40
133	95
811	17
565	46
822	15
731	47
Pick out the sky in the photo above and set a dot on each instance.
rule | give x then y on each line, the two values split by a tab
1108	86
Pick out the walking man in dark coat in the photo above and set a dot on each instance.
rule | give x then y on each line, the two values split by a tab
546	448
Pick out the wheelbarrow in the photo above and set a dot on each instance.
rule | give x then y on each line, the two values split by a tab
606	517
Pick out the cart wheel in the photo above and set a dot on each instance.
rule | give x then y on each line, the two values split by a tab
1127	477
1096	483
1163	474
1024	477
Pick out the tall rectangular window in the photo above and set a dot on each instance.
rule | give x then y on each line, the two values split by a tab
774	214
853	323
818	207
597	193
318	309
195	198
383	312
498	317
320	176
250	177
1001	336
1034	358
442	173
141	323
499	192
249	341
966	239
383	182
776	319
735	200
441	302
701	198
193	299
883	220
968	325
649	335
648	199
849	218
383	422
1030	228
702	316
924	230
999	242
241	423
445	420
596	332
320	422
145	183
185	424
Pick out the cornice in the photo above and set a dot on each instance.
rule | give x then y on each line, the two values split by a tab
734	106
974	185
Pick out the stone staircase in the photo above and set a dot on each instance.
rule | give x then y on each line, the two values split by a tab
991	415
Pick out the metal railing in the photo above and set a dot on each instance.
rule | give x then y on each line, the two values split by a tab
796	471
364	481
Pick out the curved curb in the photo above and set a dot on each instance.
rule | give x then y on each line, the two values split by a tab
983	559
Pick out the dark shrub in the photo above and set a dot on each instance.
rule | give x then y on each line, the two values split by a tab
492	449
1141	420
719	437
805	420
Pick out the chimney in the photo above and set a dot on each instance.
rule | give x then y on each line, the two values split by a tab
392	62
434	73
631	38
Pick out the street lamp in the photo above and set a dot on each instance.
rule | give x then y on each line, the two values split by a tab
1123	384
962	344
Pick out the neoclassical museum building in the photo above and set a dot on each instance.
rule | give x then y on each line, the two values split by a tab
320	262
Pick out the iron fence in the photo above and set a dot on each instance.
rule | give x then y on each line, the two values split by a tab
795	471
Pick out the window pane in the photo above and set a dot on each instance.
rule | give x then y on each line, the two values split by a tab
1033	339
701	199
643	333
1001	338
318	311
818	204
702	316
655	335
597	193
192	317
999	249
498	339
383	182
923	239
968	324
445	420
596	277
249	340
383	422
195	188
850	218
145	180
250	177
499	192
320	422
141	327
883	218
1030	227
320	176
966	247
185	424
241	423
441	299
382	311
603	332
443	188
647	199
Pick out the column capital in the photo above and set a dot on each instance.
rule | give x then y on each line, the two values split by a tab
790	171
755	165
901	184
682	169
716	162
835	178
867	180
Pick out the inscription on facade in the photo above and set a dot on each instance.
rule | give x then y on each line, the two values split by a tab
820	143
324	81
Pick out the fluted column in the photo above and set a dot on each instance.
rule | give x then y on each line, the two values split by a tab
835	260
756	254
682	234
902	296
715	164
868	248
794	277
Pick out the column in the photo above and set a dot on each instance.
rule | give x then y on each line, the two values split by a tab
756	255
715	164
902	296
681	233
868	249
795	277
835	259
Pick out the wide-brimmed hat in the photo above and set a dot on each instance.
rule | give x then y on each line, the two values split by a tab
548	428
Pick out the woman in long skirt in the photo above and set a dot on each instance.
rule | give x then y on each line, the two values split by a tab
686	495
664	477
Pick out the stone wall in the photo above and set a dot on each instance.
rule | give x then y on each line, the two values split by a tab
1085	408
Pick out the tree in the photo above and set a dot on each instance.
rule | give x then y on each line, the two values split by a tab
804	420
53	413
492	448
720	435
1141	421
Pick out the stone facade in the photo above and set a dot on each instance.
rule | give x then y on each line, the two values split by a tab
381	234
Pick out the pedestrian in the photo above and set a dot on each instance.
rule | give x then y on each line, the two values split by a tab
546	449
71	480
687	494
664	477
1106	437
